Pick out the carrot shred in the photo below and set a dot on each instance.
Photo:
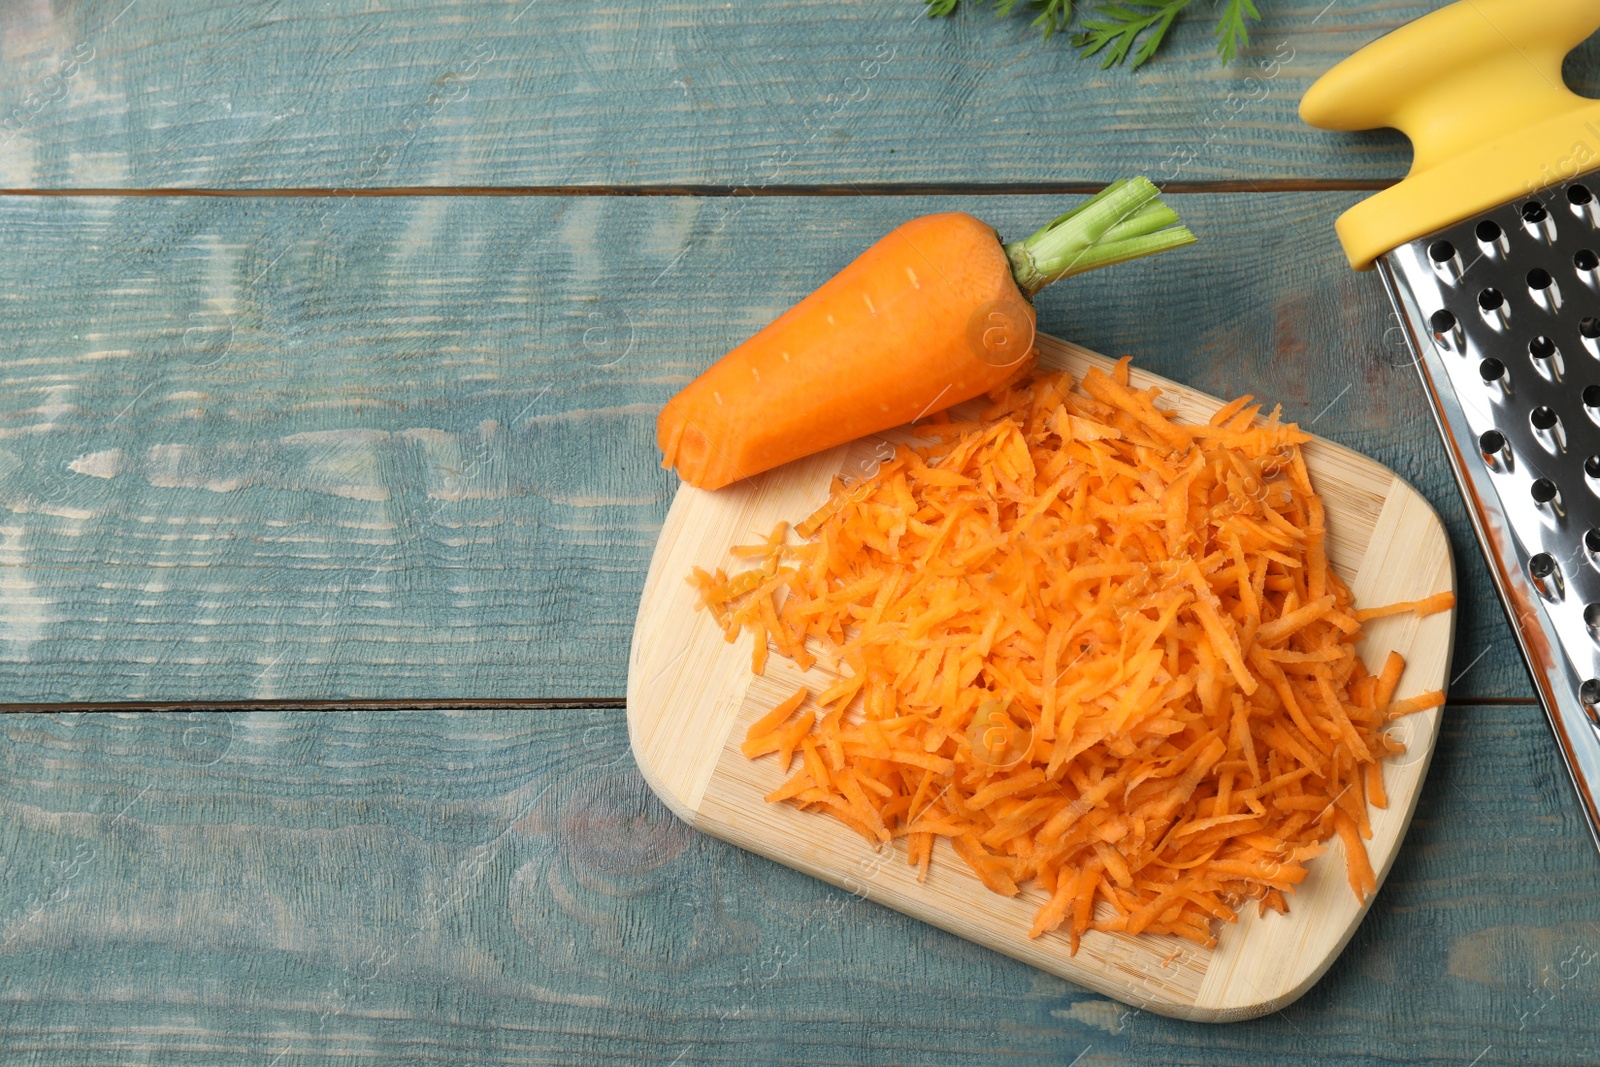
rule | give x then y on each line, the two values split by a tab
1059	908
1376	796
1426	606
792	788
1421	702
758	652
776	717
1093	648
1388	679
790	736
1359	868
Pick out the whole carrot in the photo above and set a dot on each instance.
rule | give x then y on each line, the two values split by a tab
935	313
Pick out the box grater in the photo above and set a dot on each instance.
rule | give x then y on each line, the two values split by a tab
1490	252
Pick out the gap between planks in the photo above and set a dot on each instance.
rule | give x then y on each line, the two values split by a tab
846	188
493	704
226	706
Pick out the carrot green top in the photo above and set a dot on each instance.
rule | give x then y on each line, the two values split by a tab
1124	221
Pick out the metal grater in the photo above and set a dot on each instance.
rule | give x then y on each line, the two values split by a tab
1490	252
1503	314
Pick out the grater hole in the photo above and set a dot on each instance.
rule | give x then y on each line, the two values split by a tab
1586	260
1539	279
1489	231
1544	418
1591	466
1492	442
1491	299
1533	211
1491	370
1579	195
1591	540
1542	565
1589	692
1442	252
1591	396
1591	616
1442	322
1542	348
1590	327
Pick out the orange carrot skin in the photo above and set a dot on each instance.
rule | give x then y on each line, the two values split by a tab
926	318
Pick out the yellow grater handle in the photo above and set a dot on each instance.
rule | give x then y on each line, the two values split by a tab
1477	87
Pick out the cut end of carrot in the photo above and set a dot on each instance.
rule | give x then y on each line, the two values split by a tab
684	446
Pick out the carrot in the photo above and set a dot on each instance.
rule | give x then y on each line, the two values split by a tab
1426	606
1359	868
1421	702
1388	679
1059	907
1376	796
776	717
1093	648
935	313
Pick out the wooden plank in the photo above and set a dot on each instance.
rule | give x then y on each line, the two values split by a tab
558	92
502	888
403	448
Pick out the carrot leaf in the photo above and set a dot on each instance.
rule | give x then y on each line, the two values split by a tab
1115	28
1232	31
1125	31
1052	15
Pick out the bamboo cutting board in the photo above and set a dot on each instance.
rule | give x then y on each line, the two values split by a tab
691	697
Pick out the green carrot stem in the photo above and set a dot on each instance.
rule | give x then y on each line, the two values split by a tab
1105	255
1152	217
1124	221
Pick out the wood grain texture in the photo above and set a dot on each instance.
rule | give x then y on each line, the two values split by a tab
164	93
692	699
322	889
403	448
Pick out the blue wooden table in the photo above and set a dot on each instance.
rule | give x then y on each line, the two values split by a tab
333	337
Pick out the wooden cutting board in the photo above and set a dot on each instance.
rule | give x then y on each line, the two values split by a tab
691	697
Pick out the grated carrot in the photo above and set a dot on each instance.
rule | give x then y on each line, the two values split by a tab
1421	702
1388	680
1427	606
776	717
1092	648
